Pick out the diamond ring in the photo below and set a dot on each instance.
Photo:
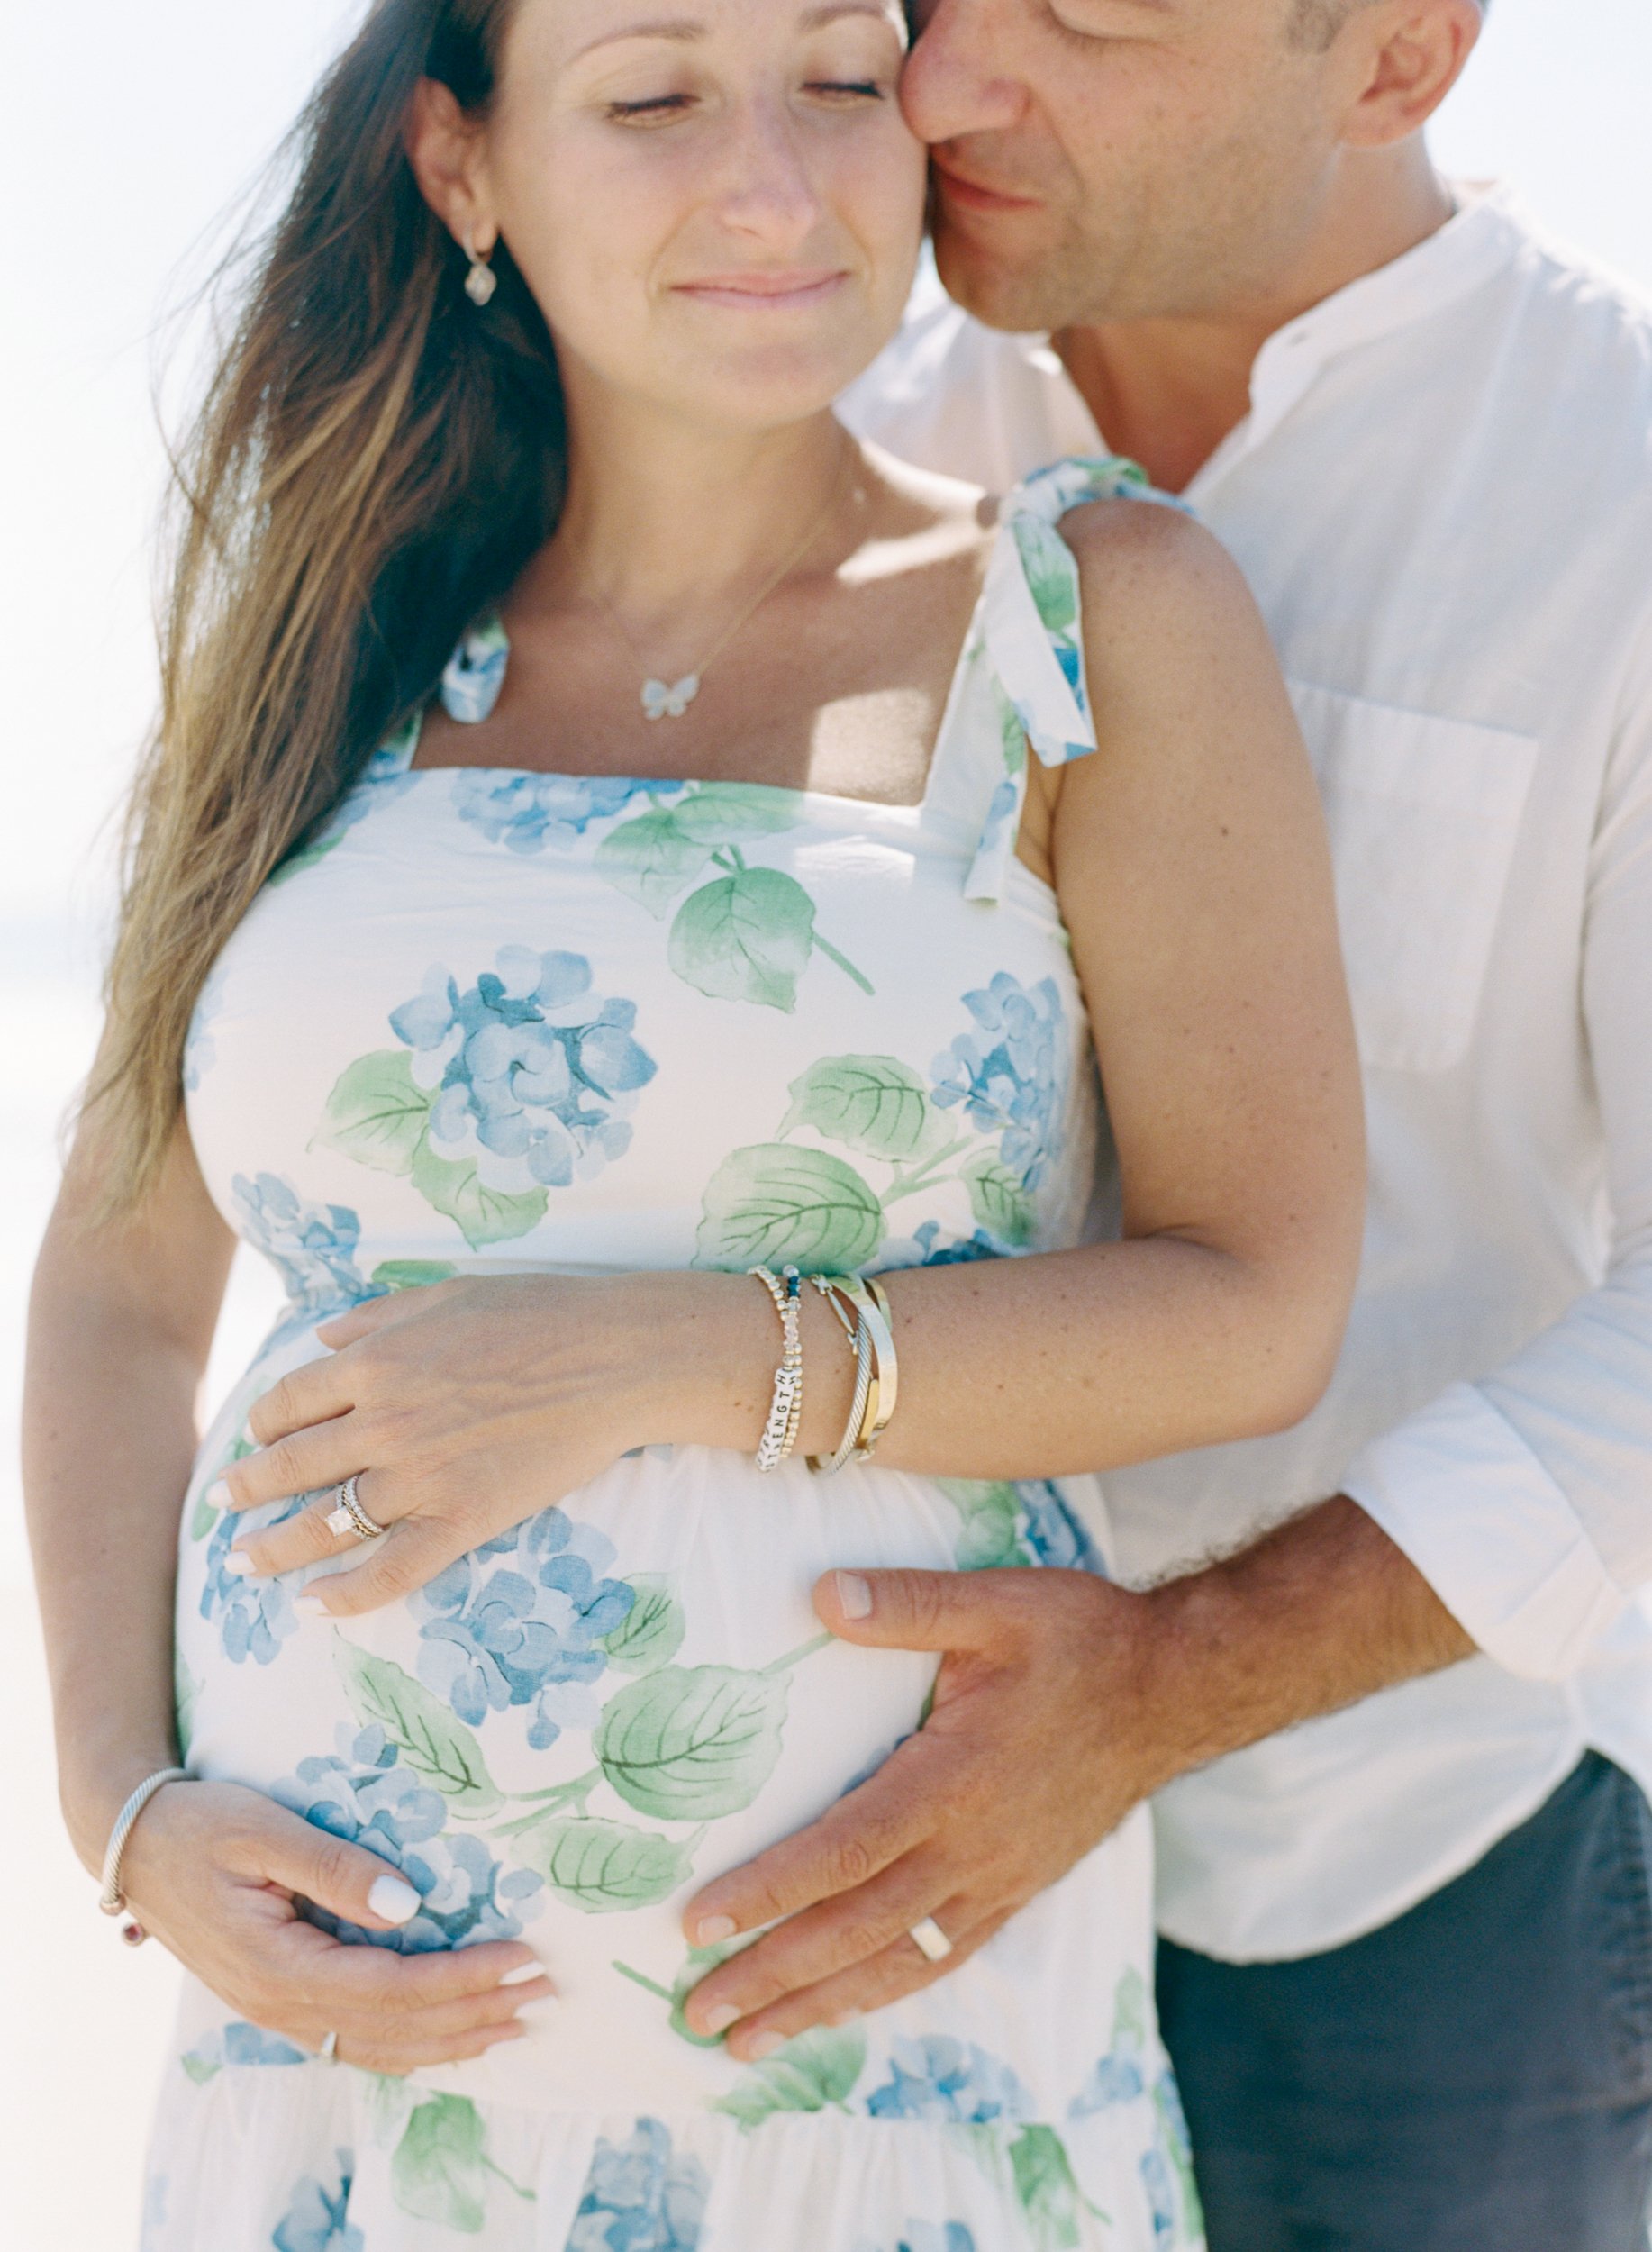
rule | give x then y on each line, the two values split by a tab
349	1520
930	1941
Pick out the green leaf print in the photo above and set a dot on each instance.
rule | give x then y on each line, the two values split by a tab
436	1746
483	1215
722	812
375	1114
605	1867
651	1634
701	1961
439	2169
692	1743
747	936
871	1104
412	1274
771	1204
1052	572
811	2073
989	1540
651	859
187	1689
998	1200
206	1516
1048	2189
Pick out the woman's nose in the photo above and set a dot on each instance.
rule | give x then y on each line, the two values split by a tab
770	193
957	79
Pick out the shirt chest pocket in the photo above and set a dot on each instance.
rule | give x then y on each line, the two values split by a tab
1423	814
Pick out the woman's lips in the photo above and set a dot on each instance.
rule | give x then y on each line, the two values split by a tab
973	196
765	293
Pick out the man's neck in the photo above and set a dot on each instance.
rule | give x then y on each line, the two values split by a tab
1166	392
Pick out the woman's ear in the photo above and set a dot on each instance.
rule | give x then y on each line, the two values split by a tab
1413	53
446	149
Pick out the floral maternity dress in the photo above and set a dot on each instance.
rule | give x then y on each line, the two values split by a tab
493	1020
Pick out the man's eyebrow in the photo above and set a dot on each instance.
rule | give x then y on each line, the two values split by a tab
685	28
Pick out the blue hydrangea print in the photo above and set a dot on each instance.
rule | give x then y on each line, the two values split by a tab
253	1617
641	2197
1054	1532
370	1798
312	1246
1117	2079
526	812
1161	2195
941	2078
923	2236
200	1049
1009	1075
237	2045
318	2219
535	1075
528	1633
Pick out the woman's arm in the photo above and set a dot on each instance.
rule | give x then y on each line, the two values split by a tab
1193	875
121	1323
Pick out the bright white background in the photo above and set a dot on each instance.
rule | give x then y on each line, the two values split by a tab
128	129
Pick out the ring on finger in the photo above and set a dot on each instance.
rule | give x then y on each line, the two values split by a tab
348	1520
329	2051
930	1941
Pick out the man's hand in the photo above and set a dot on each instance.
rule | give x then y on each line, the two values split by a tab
1062	1702
1039	1744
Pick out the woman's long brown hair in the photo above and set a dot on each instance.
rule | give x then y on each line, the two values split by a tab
373	464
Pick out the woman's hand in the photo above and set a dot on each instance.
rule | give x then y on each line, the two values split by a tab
215	1871
467	1406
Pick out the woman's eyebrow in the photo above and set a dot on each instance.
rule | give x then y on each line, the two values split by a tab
685	28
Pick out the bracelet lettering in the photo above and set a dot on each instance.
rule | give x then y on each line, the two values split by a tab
787	1408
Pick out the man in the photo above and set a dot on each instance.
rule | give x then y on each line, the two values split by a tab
1408	1971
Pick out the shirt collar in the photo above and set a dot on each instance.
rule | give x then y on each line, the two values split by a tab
1481	238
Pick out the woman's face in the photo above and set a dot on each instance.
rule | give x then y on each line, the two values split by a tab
716	202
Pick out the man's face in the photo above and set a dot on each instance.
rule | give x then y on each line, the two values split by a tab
1104	160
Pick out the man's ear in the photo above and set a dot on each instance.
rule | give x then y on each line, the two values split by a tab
444	148
1412	53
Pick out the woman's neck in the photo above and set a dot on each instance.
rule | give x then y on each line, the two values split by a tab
671	527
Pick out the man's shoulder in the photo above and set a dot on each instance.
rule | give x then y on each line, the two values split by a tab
1588	315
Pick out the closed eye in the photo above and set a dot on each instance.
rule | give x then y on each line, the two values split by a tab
660	106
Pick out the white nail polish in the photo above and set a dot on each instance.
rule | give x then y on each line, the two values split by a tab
217	1494
238	1565
521	1975
309	1607
854	1595
722	2018
764	2046
394	1901
714	1930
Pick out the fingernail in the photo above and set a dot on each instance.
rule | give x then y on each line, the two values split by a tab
309	1607
720	2019
714	1930
390	1898
217	1494
854	1595
764	2046
238	1565
521	1975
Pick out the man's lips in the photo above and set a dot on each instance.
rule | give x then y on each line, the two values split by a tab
974	195
765	292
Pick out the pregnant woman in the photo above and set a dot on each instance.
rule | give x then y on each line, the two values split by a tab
609	834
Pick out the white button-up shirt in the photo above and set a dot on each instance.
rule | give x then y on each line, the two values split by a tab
1442	498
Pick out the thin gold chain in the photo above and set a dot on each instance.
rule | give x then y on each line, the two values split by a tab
793	557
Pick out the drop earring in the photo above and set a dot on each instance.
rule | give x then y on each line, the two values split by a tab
481	281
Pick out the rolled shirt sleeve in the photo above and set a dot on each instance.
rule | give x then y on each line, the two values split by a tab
1525	1499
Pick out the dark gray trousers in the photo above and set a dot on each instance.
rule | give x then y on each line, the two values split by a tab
1475	2077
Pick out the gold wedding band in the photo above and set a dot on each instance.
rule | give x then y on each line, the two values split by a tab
349	1519
930	1941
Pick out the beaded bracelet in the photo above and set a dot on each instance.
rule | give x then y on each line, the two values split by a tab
786	1410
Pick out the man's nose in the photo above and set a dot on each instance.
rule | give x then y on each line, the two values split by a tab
958	79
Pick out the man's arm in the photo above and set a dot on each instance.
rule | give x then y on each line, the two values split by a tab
1062	1702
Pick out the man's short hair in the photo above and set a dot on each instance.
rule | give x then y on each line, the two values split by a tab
1316	23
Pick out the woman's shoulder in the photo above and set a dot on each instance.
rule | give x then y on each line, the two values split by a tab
1148	570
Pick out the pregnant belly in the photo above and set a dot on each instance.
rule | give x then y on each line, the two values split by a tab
574	1728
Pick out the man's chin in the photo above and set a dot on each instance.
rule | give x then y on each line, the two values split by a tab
1000	292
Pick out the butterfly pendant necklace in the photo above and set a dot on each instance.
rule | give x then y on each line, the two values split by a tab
670	699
